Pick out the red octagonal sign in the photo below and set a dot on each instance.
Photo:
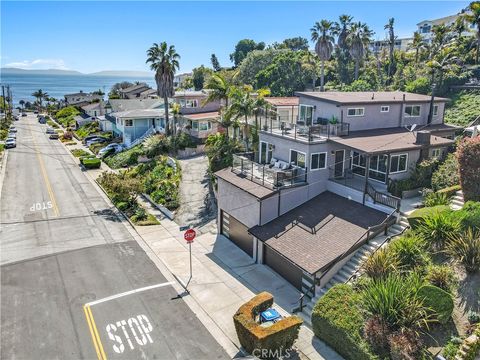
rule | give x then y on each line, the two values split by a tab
189	235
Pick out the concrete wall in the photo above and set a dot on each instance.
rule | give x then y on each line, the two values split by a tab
238	203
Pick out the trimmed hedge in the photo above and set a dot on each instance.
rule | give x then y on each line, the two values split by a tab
273	339
450	191
440	301
415	218
90	162
338	320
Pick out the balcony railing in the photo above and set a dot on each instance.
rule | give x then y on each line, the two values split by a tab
244	165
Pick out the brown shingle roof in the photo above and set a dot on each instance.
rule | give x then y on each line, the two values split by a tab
378	141
244	184
283	101
367	97
201	116
339	223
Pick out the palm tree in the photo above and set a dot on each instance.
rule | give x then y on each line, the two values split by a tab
391	44
474	19
417	44
39	95
220	88
341	29
22	104
164	60
358	40
459	27
322	34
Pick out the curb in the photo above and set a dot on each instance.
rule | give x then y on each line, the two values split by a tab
3	169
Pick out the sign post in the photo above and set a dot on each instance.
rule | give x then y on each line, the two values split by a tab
189	235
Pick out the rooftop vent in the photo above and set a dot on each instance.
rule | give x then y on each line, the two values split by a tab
423	137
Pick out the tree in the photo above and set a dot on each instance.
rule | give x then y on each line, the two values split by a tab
164	60
22	104
474	19
418	44
294	44
311	66
114	91
255	62
341	29
322	35
219	88
39	95
98	92
215	63
199	76
391	46
468	156
358	39
220	151
242	48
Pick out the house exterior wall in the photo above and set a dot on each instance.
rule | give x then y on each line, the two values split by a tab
322	109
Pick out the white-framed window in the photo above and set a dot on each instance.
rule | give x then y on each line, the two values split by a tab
306	114
195	125
205	125
189	103
297	158
358	163
436	153
435	110
318	161
385	109
128	122
355	111
398	163
412	110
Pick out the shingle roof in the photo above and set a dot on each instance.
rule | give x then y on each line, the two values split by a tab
132	104
283	101
339	223
186	93
200	116
134	88
91	106
366	97
139	113
257	190
378	141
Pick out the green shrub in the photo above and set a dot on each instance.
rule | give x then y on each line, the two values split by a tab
469	215
438	300
464	107
416	218
409	251
338	320
468	156
450	350
125	158
450	191
446	174
156	145
150	220
3	134
442	276
436	198
88	129
90	162
380	264
122	205
464	247
396	187
271	339
437	228
79	152
420	85
473	317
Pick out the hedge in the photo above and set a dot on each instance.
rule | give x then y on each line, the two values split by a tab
337	319
273	339
468	156
415	218
90	162
438	300
450	191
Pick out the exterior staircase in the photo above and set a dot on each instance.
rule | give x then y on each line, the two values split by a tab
142	138
353	265
457	201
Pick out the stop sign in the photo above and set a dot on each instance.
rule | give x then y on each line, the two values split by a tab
189	235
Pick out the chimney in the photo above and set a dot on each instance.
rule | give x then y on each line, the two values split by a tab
403	97
423	137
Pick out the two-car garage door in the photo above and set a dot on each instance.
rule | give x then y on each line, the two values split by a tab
237	232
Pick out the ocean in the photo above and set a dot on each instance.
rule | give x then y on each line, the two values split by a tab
23	85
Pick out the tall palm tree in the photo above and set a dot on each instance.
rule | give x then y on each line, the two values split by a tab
418	44
164	60
341	29
39	95
459	27
322	35
474	19
391	46
22	104
358	40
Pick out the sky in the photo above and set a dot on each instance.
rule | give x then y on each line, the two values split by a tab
91	36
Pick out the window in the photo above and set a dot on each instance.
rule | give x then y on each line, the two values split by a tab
358	163
128	122
297	158
306	114
398	163
378	166
318	161
385	109
205	125
412	110
355	111
436	153
435	110
194	125
189	103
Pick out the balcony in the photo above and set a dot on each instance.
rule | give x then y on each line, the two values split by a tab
316	133
244	165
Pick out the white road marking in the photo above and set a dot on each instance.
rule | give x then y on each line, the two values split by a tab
140	328
108	298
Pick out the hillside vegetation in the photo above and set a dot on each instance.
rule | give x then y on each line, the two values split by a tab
464	108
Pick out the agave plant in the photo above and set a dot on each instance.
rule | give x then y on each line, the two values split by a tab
380	264
465	249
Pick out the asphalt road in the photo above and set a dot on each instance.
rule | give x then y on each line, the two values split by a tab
69	269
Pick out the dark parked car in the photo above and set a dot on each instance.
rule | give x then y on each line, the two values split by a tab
53	136
24	114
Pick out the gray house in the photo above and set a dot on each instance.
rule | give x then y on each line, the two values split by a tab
329	166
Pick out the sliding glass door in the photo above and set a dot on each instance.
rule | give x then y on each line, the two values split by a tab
378	166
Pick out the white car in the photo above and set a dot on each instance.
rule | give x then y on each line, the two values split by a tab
10	143
12	135
12	129
95	140
116	149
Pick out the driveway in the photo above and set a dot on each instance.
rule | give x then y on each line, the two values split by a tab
197	202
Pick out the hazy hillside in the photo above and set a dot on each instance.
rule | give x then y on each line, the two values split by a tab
39	72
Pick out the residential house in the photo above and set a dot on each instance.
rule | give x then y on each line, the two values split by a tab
180	78
81	98
135	91
402	44
424	28
83	119
316	189
94	109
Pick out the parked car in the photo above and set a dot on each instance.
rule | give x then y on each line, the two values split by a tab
110	149
12	135
53	136
50	131
10	143
42	120
96	140
35	112
90	137
24	114
12	129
